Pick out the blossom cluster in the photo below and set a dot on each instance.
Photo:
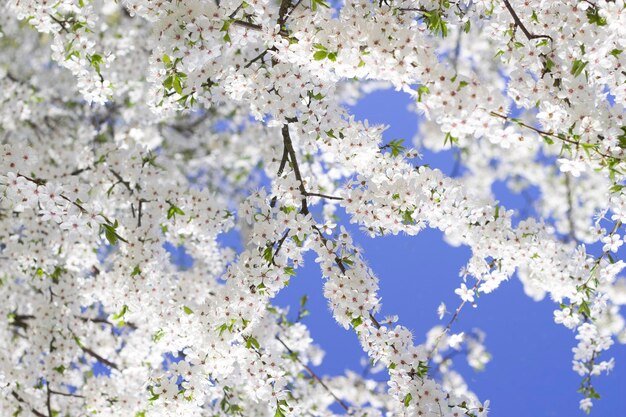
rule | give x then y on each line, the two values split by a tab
131	127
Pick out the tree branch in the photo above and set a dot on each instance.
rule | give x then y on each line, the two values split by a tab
99	358
23	401
313	375
519	24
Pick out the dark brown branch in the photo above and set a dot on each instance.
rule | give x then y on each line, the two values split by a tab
282	13
65	394
23	401
80	171
280	244
254	26
99	358
256	58
247	25
330	197
48	404
60	23
296	169
550	134
105	321
141	201
122	181
519	24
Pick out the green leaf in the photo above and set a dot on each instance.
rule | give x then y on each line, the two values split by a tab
187	310
290	271
422	369
96	60
173	211
583	309
396	146
268	254
251	341
357	322
467	26
534	17
178	87
158	335
136	271
577	67
226	25
435	23
319	55
421	90
451	139
168	82
303	300
593	15
121	313
407	399
110	235
316	3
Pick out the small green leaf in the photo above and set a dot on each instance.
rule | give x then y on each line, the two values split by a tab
534	17
178	87
583	309
173	211
251	341
158	335
316	3
467	26
407	399
187	310
577	67
421	90
593	15
121	313
319	55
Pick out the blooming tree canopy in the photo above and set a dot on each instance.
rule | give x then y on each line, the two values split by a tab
131	124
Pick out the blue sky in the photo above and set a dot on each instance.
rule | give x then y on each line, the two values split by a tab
530	372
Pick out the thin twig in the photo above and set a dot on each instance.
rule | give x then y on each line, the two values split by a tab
23	401
99	358
314	375
330	197
451	322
